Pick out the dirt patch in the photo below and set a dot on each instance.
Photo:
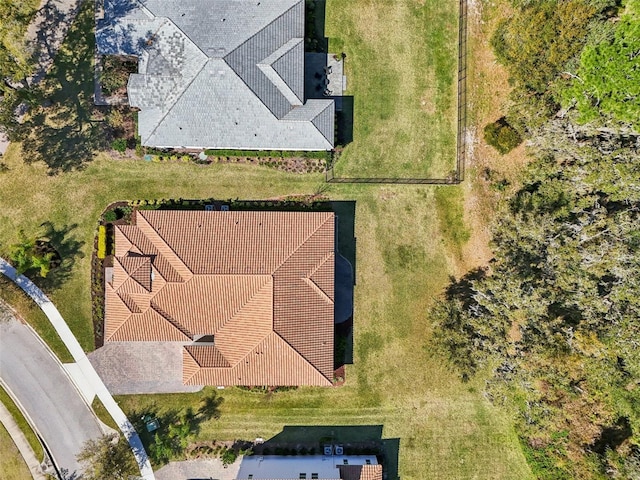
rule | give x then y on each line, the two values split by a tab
487	98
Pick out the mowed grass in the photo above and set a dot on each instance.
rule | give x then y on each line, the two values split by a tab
12	465
446	428
24	426
401	69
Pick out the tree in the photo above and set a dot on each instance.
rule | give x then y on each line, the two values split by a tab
502	136
606	87
107	457
16	61
229	456
31	253
559	308
536	45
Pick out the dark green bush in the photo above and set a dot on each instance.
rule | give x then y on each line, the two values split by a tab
119	145
110	216
228	456
502	136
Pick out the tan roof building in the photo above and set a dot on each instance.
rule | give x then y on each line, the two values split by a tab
249	294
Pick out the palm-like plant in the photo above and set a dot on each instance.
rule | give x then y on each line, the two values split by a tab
25	255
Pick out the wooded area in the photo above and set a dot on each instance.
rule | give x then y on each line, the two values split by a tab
556	313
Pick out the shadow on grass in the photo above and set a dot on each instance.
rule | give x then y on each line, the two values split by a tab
68	248
175	429
355	440
58	128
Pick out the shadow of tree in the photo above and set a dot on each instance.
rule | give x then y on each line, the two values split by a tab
176	429
68	248
61	126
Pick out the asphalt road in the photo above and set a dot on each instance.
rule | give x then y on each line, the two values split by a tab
45	392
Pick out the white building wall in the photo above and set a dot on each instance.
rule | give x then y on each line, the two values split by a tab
280	467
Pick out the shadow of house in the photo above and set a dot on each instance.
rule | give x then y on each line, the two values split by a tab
324	72
354	440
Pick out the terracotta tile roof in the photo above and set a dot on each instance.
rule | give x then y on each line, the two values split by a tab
360	472
262	283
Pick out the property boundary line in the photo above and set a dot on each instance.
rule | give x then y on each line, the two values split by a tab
461	142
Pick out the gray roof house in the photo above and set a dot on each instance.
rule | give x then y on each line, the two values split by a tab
217	73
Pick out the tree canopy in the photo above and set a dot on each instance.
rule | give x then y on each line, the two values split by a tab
15	55
555	316
606	87
558	309
107	457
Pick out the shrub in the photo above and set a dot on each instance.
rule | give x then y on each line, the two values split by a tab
502	136
228	457
119	145
110	216
102	242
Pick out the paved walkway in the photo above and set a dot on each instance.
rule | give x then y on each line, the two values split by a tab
85	377
199	469
45	393
21	442
4	144
141	367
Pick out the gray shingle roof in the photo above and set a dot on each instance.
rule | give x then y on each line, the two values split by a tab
218	73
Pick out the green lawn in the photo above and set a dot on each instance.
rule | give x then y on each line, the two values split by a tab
24	426
12	465
401	69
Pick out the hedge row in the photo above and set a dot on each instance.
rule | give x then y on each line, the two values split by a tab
102	242
267	154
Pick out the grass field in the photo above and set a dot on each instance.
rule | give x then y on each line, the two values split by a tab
401	69
409	240
31	437
12	465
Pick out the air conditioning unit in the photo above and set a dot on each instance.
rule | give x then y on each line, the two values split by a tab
339	450
328	450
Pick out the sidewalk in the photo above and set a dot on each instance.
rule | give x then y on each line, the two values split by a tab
21	442
85	377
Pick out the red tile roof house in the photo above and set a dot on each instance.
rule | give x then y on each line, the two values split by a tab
249	294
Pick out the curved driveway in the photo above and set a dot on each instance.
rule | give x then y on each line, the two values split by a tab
45	392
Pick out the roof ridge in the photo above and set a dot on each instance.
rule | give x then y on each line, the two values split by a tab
250	39
254	294
300	245
154	235
182	92
316	127
293	349
185	380
154	305
320	264
130	303
132	274
317	289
